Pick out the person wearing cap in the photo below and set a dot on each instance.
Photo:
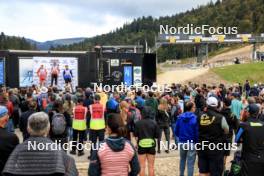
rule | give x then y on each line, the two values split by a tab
8	141
44	159
212	130
97	122
250	134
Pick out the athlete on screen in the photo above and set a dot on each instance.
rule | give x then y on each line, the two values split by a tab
67	75
42	74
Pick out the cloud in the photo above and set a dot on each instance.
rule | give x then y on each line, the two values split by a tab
48	19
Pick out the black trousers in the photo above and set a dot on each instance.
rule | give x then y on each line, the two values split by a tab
77	135
96	135
167	136
252	168
54	77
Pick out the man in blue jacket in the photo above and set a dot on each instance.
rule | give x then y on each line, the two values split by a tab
187	132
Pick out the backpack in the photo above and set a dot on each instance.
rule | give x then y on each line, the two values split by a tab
58	124
135	116
44	102
176	113
235	169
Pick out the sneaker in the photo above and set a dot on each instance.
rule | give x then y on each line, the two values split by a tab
158	151
167	151
73	152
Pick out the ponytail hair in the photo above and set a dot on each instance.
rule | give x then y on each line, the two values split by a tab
115	123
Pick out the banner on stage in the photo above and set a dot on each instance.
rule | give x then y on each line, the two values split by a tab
2	71
137	74
25	72
61	62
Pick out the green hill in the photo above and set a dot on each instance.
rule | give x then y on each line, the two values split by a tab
12	42
254	72
247	15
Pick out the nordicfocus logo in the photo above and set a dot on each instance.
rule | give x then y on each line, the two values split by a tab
190	29
57	145
124	88
205	145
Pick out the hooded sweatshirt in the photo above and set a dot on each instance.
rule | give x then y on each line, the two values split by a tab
114	157
187	127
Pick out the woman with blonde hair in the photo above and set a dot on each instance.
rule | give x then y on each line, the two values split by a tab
163	121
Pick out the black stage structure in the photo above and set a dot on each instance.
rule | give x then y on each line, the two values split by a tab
99	66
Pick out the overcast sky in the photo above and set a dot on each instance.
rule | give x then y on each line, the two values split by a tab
44	20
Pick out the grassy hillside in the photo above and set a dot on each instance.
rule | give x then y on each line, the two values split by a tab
254	72
247	15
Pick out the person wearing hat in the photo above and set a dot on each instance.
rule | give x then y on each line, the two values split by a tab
212	129
8	141
97	122
250	134
43	99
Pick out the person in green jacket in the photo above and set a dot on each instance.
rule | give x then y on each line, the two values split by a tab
152	102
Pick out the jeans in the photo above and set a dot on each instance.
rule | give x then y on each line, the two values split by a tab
190	156
167	136
173	126
69	133
10	126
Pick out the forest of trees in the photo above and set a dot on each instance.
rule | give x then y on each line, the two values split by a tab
247	15
11	42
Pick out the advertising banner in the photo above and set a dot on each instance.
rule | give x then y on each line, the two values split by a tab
128	75
137	73
25	72
2	71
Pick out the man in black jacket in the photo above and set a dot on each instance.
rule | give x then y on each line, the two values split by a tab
212	130
8	141
38	155
250	134
232	122
32	105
